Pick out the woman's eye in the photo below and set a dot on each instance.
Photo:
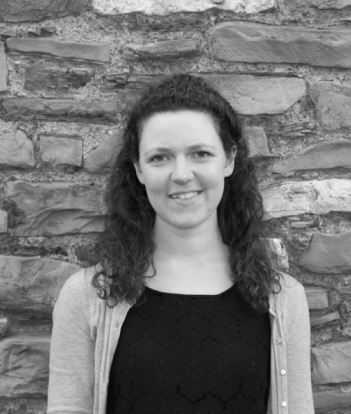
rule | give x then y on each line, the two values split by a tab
201	154
158	158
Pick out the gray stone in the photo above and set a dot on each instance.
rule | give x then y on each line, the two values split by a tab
318	321
4	325
254	43
323	4
256	140
325	401
97	52
32	284
39	77
3	68
35	10
277	254
333	104
328	253
24	365
3	221
318	156
175	48
317	298
29	109
61	150
165	7
254	95
101	159
331	363
299	197
16	150
57	208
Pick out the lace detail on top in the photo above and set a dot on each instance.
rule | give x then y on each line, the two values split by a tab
191	354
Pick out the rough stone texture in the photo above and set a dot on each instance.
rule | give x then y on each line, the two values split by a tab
299	197
176	48
318	156
24	363
57	208
61	150
277	254
36	10
16	150
3	68
333	104
318	321
97	52
325	401
38	78
3	221
317	298
328	253
256	140
32	284
331	363
252	42
4	325
323	4
165	7
29	109
253	95
101	159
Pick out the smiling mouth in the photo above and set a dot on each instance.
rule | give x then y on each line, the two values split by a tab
185	196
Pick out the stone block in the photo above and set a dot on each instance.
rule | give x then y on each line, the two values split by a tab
165	7
256	140
328	253
331	363
41	109
3	68
317	298
24	365
292	198
175	48
318	321
57	208
96	52
254	43
101	159
4	325
15	11
322	4
41	78
277	254
16	150
254	95
3	221
32	284
317	156
61	150
325	401
333	104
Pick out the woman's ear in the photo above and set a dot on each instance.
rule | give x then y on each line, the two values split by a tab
230	163
138	172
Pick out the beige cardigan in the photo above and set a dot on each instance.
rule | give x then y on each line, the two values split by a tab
86	332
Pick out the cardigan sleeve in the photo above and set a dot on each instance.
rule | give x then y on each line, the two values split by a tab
300	399
71	369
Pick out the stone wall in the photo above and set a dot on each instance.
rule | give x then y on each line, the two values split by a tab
68	73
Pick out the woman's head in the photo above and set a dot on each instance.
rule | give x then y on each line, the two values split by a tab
127	246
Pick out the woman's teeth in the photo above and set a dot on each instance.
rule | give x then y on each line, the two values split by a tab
185	196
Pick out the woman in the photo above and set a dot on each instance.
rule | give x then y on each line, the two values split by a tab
183	313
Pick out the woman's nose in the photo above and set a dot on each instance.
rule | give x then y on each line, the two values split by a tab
182	171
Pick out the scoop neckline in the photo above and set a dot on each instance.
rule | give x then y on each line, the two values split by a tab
200	295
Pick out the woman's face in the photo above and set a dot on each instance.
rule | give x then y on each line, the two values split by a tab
182	164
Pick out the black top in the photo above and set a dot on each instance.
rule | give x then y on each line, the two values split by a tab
191	354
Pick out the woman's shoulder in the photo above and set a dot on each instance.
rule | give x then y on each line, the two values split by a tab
291	289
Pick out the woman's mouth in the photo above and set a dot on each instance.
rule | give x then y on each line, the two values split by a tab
184	195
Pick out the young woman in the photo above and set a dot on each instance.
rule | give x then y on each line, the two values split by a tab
183	313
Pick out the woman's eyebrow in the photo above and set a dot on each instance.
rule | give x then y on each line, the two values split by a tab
191	147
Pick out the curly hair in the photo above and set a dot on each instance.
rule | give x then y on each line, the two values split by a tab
126	247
